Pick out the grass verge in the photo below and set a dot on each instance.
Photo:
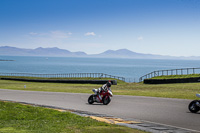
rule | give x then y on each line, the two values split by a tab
177	76
18	118
179	90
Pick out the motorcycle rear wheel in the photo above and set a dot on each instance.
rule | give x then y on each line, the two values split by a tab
193	107
90	100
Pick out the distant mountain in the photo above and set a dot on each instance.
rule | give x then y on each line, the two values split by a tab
6	50
121	53
125	53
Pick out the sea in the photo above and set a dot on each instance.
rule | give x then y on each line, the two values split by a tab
130	69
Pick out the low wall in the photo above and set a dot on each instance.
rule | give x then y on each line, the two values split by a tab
114	82
167	81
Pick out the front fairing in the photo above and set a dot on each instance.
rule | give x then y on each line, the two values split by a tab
110	92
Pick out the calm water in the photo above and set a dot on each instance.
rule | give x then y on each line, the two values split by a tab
131	69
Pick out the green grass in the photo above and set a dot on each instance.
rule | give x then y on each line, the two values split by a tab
177	76
179	90
18	118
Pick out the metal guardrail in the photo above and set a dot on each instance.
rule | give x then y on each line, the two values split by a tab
182	71
66	75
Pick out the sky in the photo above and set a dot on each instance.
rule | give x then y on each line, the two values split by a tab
164	27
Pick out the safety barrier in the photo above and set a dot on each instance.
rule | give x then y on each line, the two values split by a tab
182	71
66	75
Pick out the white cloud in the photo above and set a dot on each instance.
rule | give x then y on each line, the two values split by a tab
33	33
49	39
52	34
59	34
90	34
140	38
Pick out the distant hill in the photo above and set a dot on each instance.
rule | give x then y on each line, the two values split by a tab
56	52
125	53
13	51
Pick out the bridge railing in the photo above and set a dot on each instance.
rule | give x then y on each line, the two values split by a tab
182	71
65	75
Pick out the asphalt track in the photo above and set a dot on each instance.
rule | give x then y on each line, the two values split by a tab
173	112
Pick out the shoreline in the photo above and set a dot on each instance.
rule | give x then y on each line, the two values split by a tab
7	60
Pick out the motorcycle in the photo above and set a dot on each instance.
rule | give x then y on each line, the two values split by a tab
103	97
194	106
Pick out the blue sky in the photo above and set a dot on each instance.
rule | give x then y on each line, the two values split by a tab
165	27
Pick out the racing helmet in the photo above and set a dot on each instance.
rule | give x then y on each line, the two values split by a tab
109	84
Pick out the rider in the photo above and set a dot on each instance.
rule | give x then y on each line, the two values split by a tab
105	87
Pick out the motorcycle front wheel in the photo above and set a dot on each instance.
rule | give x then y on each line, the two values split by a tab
106	100
90	100
193	107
